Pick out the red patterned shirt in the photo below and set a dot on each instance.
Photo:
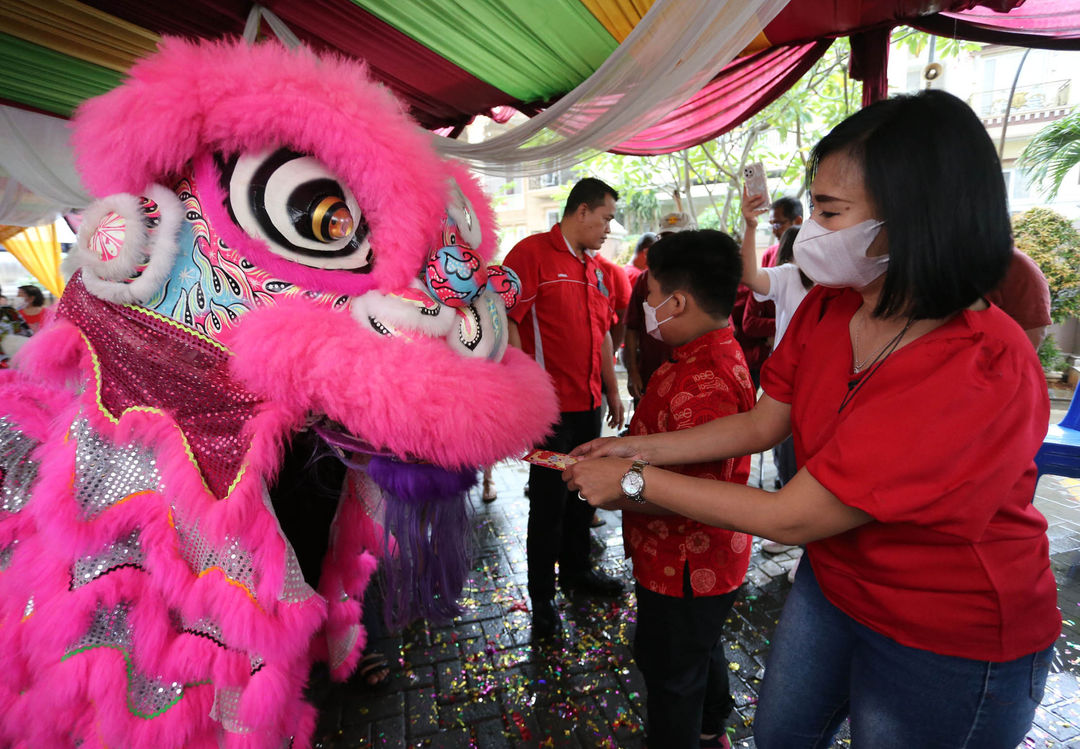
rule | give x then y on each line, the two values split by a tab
706	379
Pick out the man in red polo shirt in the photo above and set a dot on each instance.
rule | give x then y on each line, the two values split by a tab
562	320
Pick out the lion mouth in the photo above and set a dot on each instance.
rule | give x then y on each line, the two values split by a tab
476	330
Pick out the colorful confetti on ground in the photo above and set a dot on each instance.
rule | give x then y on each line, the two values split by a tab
483	682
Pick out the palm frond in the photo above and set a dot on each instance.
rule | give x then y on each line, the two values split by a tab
1052	153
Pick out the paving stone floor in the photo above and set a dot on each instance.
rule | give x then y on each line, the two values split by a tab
482	682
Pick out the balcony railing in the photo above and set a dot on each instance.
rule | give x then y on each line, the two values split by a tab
1036	96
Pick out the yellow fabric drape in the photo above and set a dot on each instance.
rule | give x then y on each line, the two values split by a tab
79	31
38	249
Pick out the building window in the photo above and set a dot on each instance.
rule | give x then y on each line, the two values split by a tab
552	218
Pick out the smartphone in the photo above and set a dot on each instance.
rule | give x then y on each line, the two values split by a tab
754	176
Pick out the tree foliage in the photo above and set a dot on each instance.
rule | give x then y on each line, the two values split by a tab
1052	153
1054	244
780	136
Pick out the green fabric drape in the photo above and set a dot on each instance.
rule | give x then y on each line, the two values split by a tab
503	42
49	80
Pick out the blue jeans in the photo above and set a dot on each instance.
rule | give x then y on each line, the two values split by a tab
824	666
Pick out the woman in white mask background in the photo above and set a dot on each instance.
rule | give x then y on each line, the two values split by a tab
925	607
30	303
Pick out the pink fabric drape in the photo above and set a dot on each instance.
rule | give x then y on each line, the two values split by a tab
1045	24
744	87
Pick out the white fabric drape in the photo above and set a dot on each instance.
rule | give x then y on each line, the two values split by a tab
675	50
256	15
37	172
678	47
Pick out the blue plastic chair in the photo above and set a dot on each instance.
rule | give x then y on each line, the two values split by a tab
1060	451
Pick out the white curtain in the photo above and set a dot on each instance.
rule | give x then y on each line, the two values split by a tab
37	172
675	50
671	54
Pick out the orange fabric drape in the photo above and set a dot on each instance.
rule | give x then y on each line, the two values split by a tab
619	17
38	249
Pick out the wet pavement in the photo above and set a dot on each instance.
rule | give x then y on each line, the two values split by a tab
483	682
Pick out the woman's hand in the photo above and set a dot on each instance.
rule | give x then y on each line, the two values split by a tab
613	447
597	481
752	206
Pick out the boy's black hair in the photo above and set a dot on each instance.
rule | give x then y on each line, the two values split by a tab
37	298
704	263
785	253
790	207
934	178
589	191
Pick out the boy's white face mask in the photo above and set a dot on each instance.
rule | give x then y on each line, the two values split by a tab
652	325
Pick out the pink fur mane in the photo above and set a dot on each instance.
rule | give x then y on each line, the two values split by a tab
229	97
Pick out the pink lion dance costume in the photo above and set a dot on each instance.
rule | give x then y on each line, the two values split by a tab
275	245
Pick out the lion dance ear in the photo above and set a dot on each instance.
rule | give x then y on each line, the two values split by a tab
127	244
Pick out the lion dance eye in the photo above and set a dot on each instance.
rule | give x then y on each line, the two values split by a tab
299	208
331	220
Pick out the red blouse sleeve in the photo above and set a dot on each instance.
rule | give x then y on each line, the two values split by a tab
778	372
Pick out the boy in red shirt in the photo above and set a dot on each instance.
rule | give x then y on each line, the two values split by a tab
688	574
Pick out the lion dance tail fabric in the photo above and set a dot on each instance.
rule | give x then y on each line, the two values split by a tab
275	248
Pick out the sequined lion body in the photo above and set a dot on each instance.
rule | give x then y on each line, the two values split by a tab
274	245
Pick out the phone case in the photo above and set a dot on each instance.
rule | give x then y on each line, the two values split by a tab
754	175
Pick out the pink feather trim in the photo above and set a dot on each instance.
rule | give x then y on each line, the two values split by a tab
473	412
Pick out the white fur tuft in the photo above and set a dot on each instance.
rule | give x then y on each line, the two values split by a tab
157	249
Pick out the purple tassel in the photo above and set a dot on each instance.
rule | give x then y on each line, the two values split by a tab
417	483
426	512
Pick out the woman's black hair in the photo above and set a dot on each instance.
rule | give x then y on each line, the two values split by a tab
705	263
37	299
785	253
935	180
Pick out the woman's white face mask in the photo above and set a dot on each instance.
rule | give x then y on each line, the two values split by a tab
652	325
838	258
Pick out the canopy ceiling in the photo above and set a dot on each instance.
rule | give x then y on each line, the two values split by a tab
453	59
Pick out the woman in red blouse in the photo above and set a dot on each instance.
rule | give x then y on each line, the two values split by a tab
31	306
926	607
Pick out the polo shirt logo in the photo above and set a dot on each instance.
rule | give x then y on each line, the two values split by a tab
563	275
600	282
